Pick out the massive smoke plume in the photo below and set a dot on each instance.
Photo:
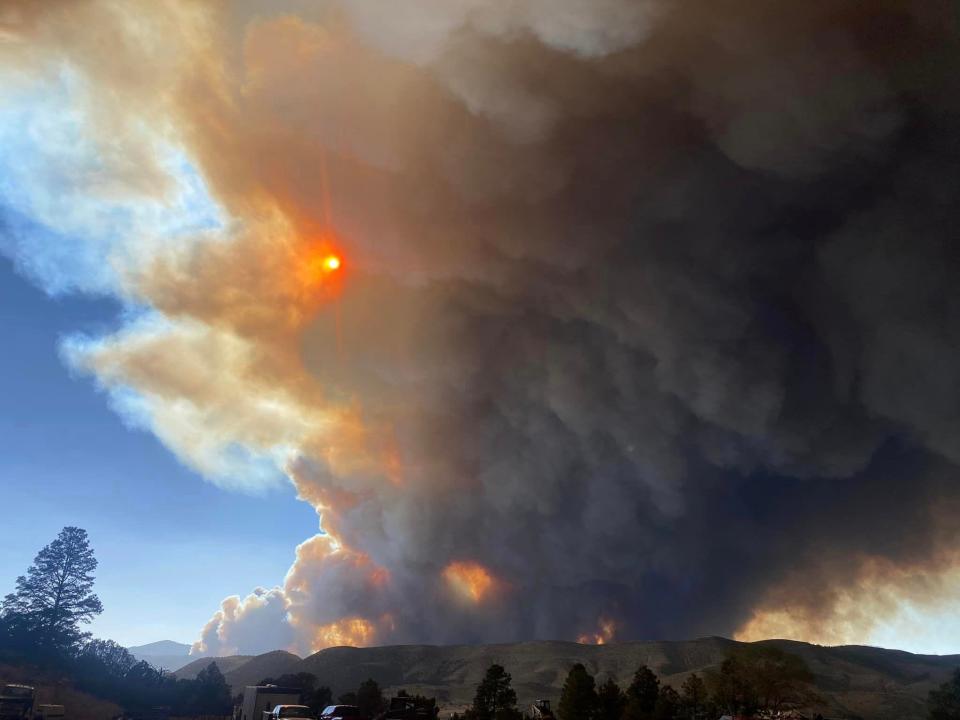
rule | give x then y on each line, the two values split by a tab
647	325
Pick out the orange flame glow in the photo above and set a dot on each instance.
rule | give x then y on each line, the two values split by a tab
469	579
354	631
604	634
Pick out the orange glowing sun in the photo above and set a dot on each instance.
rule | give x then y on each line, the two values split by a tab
316	269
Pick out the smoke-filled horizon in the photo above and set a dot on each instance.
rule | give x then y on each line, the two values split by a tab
643	325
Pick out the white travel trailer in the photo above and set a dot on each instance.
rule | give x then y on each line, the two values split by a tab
260	699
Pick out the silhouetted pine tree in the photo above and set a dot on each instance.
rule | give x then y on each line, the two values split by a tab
495	699
56	595
578	699
642	695
610	701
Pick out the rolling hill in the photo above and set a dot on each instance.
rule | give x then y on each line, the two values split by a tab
226	664
855	681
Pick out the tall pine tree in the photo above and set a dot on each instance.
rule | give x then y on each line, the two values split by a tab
56	595
610	701
642	695
495	699
578	700
694	697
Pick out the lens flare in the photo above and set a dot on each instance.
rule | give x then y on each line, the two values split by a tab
469	580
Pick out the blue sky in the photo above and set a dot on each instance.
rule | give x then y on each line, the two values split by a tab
171	545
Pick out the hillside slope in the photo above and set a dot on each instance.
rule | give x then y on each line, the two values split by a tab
226	664
271	664
58	691
242	670
855	681
538	668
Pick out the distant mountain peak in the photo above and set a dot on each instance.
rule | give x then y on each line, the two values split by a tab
166	654
161	647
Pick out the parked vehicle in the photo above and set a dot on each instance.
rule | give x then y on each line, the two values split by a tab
283	712
16	702
407	707
340	712
48	712
260	700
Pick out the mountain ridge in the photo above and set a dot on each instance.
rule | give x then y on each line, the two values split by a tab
856	681
166	654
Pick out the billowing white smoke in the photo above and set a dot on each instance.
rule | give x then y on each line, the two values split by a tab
255	624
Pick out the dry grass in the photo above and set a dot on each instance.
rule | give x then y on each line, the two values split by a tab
58	691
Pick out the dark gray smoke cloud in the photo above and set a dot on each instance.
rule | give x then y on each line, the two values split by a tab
654	308
702	356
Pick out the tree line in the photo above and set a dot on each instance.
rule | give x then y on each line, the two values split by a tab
41	625
752	678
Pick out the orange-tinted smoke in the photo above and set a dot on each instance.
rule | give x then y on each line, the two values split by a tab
352	631
606	629
470	580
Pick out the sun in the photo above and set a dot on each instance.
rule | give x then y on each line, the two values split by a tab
317	269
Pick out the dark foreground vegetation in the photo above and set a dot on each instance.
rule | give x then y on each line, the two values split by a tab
40	627
750	681
41	621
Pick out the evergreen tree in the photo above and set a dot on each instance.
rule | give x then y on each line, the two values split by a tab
944	702
782	680
693	697
369	698
55	596
754	677
108	656
732	687
319	699
642	694
495	698
17	638
668	704
610	701
578	699
212	692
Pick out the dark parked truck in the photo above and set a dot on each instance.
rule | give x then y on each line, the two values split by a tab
48	712
16	702
407	707
290	712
